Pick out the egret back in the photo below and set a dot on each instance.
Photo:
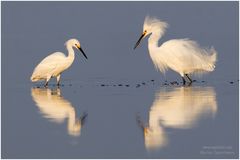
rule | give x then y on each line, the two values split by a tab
182	107
51	105
183	56
47	66
55	108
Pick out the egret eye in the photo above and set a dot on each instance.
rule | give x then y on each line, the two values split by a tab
45	69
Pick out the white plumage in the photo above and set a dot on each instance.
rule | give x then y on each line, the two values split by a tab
181	55
54	64
177	108
55	108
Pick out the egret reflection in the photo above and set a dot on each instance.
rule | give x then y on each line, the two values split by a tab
56	109
179	108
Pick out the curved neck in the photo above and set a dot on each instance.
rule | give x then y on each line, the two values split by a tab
74	126
153	40
71	119
70	52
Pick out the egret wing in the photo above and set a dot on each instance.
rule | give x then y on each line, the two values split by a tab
47	65
188	54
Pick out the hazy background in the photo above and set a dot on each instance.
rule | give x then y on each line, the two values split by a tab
107	32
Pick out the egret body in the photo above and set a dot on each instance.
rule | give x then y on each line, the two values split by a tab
54	64
55	108
181	55
177	108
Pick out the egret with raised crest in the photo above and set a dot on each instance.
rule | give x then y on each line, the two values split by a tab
181	55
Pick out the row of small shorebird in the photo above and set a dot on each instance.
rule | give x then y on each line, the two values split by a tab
181	55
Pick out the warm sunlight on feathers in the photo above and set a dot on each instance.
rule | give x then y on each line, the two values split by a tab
180	108
54	64
181	55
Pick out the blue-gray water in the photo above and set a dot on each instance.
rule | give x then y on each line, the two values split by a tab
128	114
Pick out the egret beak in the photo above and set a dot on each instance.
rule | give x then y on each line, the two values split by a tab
82	52
139	40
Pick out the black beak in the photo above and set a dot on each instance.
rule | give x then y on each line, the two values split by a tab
82	52
139	40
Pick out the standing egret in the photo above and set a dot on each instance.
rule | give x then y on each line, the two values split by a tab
54	64
55	108
177	108
181	55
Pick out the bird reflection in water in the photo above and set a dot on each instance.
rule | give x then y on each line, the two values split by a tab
55	108
177	108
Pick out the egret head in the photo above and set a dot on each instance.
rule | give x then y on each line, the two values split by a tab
75	43
75	129
152	25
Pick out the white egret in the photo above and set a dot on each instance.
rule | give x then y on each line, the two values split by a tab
55	108
181	55
54	64
177	108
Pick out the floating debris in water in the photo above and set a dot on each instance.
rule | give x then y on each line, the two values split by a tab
203	81
152	80
194	80
138	85
174	83
165	84
102	85
127	85
231	82
143	83
120	85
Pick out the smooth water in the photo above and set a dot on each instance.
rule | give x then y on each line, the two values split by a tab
115	104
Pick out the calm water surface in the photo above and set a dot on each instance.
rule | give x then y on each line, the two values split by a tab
92	120
115	104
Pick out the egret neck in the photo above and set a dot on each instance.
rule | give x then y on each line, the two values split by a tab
154	48
71	54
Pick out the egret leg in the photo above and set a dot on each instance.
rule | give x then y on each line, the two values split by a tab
58	92
184	81
46	84
188	78
58	79
48	78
